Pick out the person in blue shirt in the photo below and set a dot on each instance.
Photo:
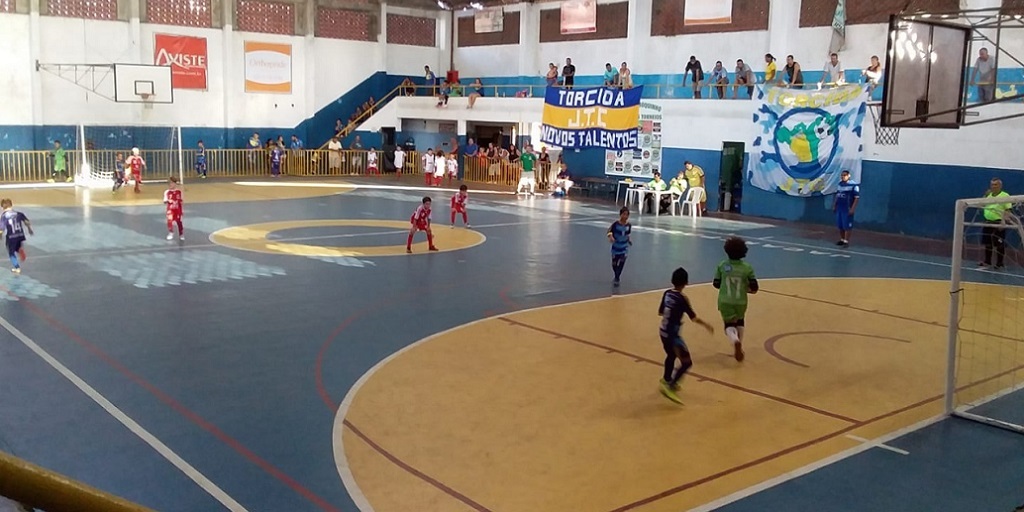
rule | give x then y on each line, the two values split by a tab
276	152
847	197
611	76
201	160
618	235
674	305
14	224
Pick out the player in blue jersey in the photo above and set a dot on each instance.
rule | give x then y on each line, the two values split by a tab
847	196
618	235
14	224
119	177
276	154
201	160
674	305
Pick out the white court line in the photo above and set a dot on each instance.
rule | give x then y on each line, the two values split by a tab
354	186
168	454
36	185
768	484
877	444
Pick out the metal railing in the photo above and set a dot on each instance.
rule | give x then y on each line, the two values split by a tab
366	114
34	486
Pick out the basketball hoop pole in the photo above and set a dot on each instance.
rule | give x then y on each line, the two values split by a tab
181	158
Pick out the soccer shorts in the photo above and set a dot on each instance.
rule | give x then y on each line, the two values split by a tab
527	182
421	226
670	344
733	314
173	214
14	245
201	168
137	177
844	221
459	209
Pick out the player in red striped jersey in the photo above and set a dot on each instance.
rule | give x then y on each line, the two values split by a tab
420	221
459	201
172	198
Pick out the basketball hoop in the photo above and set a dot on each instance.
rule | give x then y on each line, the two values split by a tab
884	135
146	104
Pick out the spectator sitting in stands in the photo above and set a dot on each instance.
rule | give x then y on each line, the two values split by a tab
563	182
611	76
794	76
445	91
408	88
744	76
719	79
678	184
476	91
338	126
372	102
625	77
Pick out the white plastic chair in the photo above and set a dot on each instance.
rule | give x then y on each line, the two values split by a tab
693	195
632	195
677	204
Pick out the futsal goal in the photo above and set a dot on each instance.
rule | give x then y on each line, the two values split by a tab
985	370
100	149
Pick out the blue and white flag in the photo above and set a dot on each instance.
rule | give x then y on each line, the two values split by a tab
804	139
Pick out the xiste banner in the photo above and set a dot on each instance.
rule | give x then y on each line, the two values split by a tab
187	58
804	139
592	118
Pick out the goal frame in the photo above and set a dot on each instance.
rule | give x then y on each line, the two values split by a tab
960	224
85	166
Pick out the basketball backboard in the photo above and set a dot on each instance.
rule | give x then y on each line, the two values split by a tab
137	83
925	73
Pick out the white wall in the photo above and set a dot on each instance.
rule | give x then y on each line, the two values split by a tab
322	70
18	66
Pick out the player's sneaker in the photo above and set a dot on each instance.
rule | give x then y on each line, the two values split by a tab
673	387
50	180
468	226
181	238
669	393
170	236
69	180
738	352
408	250
16	270
615	282
432	248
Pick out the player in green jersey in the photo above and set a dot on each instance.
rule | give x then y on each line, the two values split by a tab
734	279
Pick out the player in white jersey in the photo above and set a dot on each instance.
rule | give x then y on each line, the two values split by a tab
440	163
428	166
453	167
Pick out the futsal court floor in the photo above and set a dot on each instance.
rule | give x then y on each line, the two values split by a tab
289	356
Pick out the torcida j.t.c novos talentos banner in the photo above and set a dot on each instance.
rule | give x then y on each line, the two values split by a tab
600	117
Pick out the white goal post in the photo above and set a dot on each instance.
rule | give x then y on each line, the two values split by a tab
985	351
98	147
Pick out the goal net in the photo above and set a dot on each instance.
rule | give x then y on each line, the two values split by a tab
101	148
985	374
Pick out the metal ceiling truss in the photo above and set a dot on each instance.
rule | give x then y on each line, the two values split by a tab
91	77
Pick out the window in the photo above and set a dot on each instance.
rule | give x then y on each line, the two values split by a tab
346	24
186	13
266	17
88	9
412	30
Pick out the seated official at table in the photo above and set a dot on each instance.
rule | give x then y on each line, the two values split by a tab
563	182
657	184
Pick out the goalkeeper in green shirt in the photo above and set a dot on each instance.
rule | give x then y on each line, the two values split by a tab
734	279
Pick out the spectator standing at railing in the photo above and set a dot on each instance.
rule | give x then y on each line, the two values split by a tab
568	74
357	146
834	74
693	68
475	92
430	80
408	88
719	79
984	76
625	77
794	75
334	155
544	167
744	76
552	77
611	75
873	73
471	148
338	126
513	153
399	160
770	70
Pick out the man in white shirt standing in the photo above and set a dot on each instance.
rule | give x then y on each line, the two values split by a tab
399	160
334	156
984	76
834	74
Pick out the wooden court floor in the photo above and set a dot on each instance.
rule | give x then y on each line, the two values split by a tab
557	408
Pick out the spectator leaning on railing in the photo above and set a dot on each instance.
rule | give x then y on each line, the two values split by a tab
834	74
611	76
984	76
719	79
693	68
625	77
551	79
744	76
873	73
568	74
770	71
794	76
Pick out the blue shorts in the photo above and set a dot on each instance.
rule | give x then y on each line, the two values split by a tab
844	221
670	343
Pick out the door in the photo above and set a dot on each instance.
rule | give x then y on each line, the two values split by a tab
731	177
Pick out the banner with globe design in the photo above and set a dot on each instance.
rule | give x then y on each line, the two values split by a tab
804	139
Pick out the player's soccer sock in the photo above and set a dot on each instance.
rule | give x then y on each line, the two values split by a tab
430	239
670	363
733	335
465	219
617	267
170	226
181	229
453	217
408	243
687	363
22	255
14	260
739	333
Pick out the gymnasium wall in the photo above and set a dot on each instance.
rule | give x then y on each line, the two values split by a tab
330	77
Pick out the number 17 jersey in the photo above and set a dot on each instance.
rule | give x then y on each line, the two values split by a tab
735	277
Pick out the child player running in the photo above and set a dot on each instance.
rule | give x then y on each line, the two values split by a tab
459	201
734	279
421	222
672	308
14	224
172	198
119	176
618	235
136	164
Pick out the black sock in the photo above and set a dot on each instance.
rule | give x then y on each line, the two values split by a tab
681	371
670	363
